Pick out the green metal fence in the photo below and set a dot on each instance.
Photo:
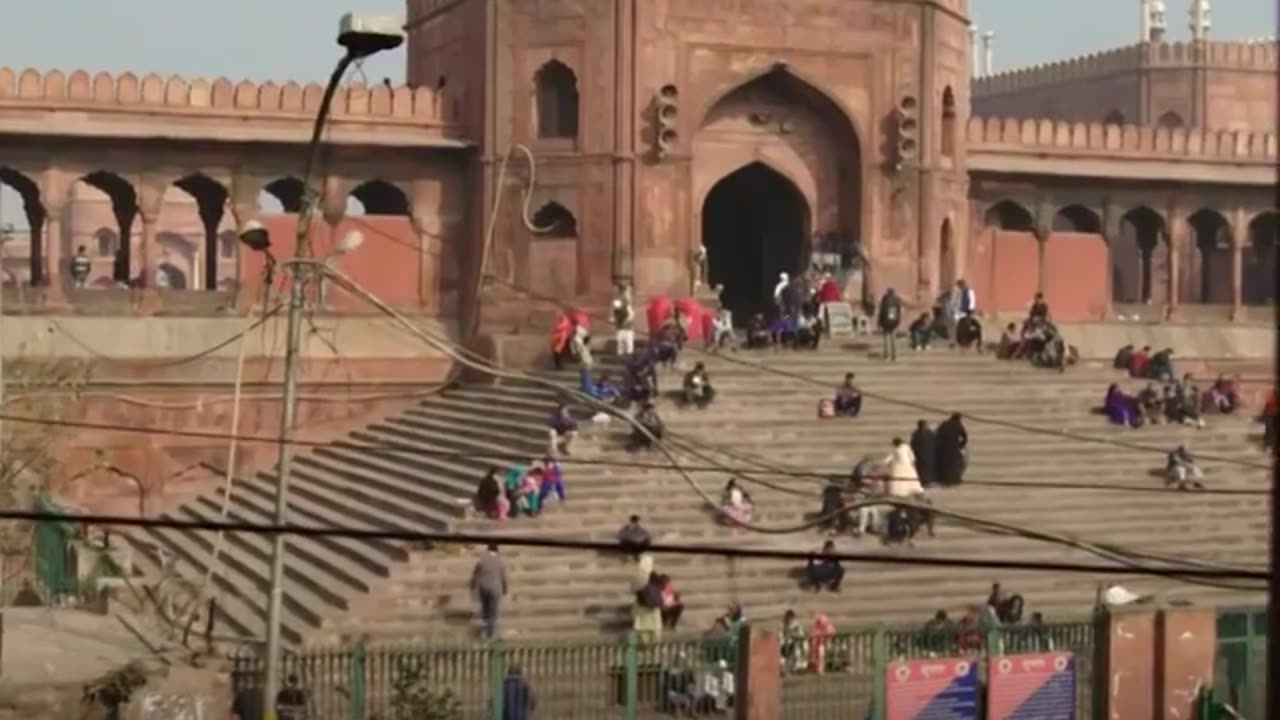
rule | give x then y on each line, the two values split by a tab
1240	678
54	556
838	677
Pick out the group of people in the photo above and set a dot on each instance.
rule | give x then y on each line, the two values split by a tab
657	605
954	318
941	635
1039	341
808	649
519	490
1174	402
931	458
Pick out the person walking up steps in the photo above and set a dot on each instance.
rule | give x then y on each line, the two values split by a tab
489	583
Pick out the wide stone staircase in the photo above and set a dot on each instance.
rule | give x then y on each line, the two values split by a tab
765	415
1043	459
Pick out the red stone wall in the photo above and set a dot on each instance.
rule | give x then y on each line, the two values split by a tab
1241	99
1076	279
1002	270
390	263
449	45
1086	99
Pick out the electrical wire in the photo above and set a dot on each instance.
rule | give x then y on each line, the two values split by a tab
418	536
393	449
891	400
498	372
157	364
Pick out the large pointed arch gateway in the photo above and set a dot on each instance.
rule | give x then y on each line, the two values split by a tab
777	177
754	225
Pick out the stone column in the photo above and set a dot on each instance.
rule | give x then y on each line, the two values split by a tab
1043	229
1177	229
427	228
243	210
54	273
426	213
147	261
1239	239
150	203
1111	220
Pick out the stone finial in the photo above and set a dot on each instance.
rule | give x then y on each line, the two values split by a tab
1200	20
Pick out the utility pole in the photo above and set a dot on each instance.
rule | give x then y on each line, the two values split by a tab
293	335
362	36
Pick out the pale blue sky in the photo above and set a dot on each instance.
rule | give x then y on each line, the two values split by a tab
294	39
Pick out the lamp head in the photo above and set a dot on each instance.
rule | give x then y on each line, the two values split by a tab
255	235
348	242
365	35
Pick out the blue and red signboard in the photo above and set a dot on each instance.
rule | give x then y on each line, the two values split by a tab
1031	687
934	689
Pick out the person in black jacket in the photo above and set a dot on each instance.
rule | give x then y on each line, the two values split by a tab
952	451
924	446
888	318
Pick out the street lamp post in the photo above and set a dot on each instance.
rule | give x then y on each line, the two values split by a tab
362	36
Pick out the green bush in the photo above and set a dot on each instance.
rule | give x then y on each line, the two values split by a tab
415	699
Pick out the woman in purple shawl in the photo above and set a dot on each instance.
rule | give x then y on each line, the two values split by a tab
1120	408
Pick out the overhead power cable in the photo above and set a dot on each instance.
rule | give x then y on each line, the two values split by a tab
417	536
923	407
398	449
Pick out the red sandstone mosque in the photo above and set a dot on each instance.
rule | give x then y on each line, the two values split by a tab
1136	181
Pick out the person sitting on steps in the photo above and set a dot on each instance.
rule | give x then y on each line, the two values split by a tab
633	537
1223	396
1160	366
1182	472
648	419
735	504
490	499
969	332
562	430
808	330
921	332
758	334
823	570
697	387
848	400
1010	347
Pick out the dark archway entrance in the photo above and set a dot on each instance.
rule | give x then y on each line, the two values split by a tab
755	225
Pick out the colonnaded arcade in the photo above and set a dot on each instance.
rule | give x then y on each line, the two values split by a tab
657	130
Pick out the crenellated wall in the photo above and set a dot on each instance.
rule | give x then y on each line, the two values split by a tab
1223	55
1120	140
179	95
1090	66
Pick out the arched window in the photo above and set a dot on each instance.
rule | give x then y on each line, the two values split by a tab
555	221
948	122
557	96
1115	117
1170	120
107	242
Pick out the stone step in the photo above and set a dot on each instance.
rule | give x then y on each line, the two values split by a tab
417	468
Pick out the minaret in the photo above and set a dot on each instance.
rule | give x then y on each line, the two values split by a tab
1157	25
988	54
976	55
1144	20
1200	20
